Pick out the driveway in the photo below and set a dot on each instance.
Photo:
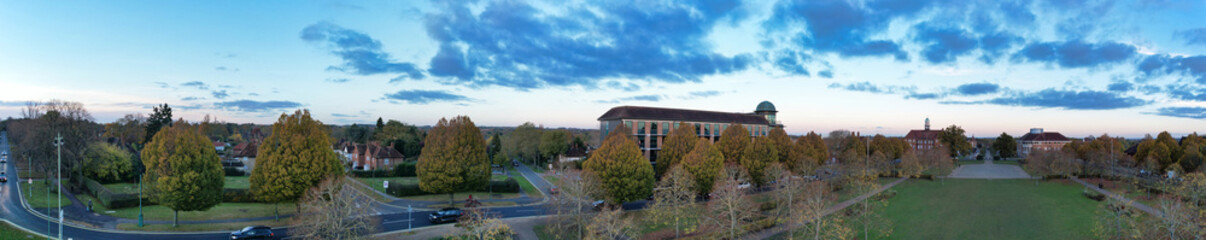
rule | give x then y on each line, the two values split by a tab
988	170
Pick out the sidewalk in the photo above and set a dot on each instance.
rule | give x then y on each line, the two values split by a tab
764	234
1138	205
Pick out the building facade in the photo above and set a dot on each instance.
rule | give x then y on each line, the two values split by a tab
1037	139
923	139
650	125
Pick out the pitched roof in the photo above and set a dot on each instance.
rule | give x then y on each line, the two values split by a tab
923	134
246	149
380	152
1045	136
674	114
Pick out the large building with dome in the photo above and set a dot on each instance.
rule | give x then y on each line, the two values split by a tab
650	125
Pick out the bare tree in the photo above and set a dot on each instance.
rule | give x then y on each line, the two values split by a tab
673	197
610	224
1116	221
812	210
1179	220
730	207
480	224
332	210
784	192
571	205
869	211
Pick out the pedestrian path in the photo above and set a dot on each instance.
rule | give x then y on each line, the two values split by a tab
765	234
988	170
1137	205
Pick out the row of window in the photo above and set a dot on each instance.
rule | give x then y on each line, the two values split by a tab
701	129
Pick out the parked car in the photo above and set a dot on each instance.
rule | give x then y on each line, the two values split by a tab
4	159
3	178
445	215
253	232
553	190
600	205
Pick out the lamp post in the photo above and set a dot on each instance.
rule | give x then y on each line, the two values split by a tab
58	143
140	200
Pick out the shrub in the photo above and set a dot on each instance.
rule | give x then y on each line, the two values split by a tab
234	172
373	173
504	186
405	169
112	200
403	190
239	195
1096	196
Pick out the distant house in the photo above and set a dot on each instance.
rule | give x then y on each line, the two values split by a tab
219	146
923	139
1037	139
372	156
245	152
572	154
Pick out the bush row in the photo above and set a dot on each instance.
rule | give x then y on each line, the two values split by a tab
404	169
108	198
404	190
237	195
234	172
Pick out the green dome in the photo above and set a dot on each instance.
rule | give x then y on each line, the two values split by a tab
765	106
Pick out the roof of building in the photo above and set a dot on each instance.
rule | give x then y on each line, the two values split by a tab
674	114
923	134
380	152
246	149
219	144
765	106
1044	136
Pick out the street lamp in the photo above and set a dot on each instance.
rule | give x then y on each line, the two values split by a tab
58	143
140	200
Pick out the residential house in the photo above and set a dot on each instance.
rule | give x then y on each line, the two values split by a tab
245	152
1037	139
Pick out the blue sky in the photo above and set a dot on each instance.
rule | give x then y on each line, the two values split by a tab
1079	67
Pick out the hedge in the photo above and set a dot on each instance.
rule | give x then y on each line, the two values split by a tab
112	200
234	172
237	195
372	173
405	190
405	169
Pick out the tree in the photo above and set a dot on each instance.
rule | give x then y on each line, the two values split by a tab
681	141
936	160
576	190
479	224
672	199
183	170
42	122
733	141
911	166
494	146
1161	155
161	116
783	143
332	210
130	129
1174	149
453	158
293	158
891	148
610	224
757	157
357	134
380	124
952	137
869	211
1115	220
106	163
812	147
730	208
553	143
1005	146
703	163
784	192
523	143
1141	151
623	171
406	138
1192	158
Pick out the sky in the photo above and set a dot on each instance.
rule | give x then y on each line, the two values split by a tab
1079	67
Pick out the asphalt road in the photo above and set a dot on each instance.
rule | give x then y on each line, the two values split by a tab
12	210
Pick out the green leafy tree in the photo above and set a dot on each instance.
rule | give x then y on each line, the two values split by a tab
553	143
621	168
813	147
703	163
1161	154
783	143
161	116
183	170
1192	158
952	137
295	157
1005	146
106	163
756	157
1174	149
406	138
357	133
733	141
494	146
523	143
681	141
1143	149
454	158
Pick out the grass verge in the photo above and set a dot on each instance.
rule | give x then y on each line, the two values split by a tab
39	198
990	209
8	231
201	227
221	211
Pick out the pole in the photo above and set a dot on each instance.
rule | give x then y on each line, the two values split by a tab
59	149
411	215
140	200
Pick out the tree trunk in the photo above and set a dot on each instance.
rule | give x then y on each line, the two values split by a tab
276	213
175	218
450	196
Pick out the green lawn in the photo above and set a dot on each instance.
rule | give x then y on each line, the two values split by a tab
238	182
996	209
8	231
377	185
528	188
231	182
221	211
40	198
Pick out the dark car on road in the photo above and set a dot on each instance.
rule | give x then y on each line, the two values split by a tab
445	215
253	232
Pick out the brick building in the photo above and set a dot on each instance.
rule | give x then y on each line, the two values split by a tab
650	125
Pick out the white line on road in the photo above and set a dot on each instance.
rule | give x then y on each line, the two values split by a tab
528	210
395	221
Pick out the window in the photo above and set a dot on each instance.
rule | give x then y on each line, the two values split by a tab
697	129
628	125
665	128
707	129
641	127
653	142
716	128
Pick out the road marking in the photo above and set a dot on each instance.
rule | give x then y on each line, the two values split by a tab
528	210
395	221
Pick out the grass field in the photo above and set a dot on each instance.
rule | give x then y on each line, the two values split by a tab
231	182
996	209
8	231
221	211
39	198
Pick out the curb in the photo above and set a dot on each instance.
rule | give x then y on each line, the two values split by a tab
380	234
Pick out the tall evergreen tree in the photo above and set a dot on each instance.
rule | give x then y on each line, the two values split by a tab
704	163
1005	146
622	170
783	143
814	148
756	157
453	158
681	141
160	117
183	170
294	158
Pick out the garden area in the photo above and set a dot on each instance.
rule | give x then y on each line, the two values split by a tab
504	187
991	209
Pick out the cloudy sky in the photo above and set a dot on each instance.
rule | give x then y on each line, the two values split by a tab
1079	67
